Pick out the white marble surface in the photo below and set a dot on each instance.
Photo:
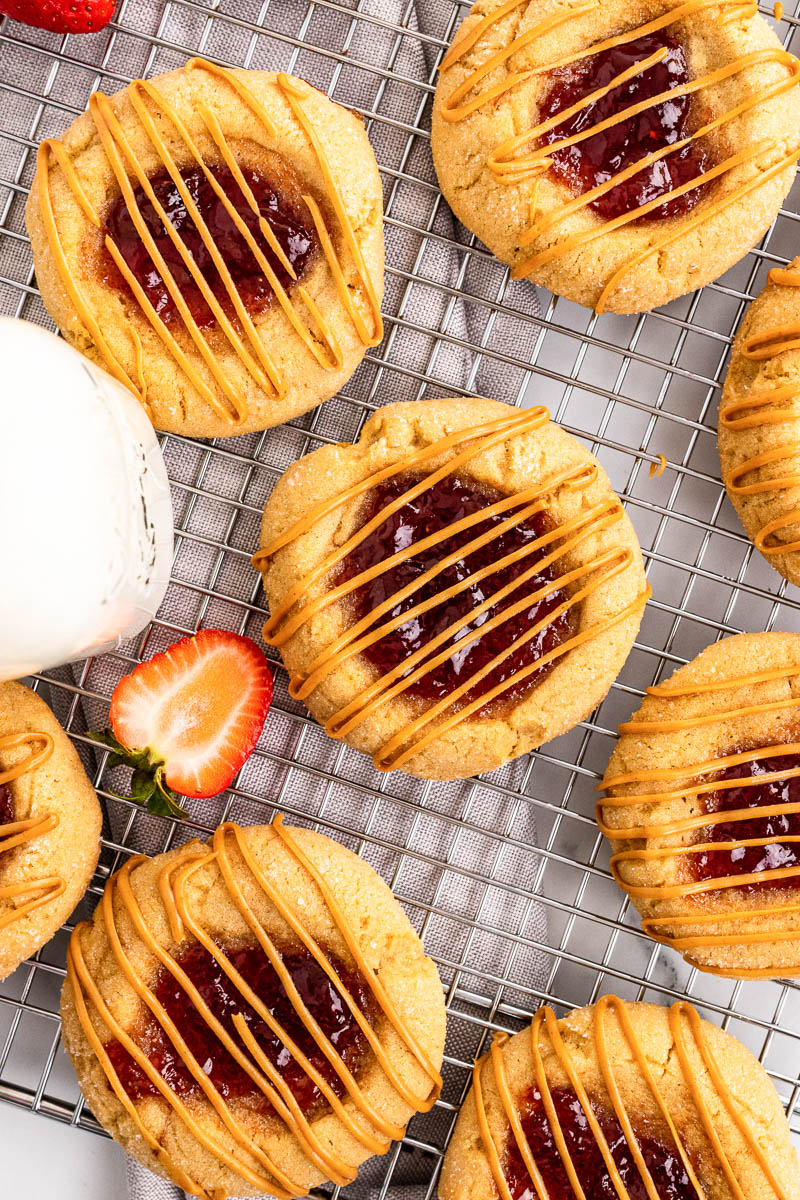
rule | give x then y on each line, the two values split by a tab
70	1163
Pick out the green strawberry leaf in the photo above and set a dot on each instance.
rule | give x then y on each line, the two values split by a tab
123	756
143	785
148	787
164	800
106	738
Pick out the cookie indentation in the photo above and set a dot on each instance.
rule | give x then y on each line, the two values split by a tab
662	1159
291	227
320	998
6	805
461	587
600	157
742	857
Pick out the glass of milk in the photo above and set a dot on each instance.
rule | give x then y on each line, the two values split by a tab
85	511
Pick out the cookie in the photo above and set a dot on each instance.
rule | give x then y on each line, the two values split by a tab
253	1014
708	750
214	239
619	154
456	588
50	824
624	1099
759	447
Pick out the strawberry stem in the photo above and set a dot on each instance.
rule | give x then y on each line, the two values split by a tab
148	787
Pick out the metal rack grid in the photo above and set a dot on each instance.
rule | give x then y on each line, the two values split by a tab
506	876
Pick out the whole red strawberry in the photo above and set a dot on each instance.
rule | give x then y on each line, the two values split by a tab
186	720
60	16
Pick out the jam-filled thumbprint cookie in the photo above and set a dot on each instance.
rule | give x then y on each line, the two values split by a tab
454	589
702	807
214	239
759	422
254	1014
620	1101
618	154
50	823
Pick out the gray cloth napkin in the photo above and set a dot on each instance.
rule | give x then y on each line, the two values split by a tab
444	299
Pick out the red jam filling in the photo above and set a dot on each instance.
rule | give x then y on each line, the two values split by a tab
437	508
280	207
6	805
322	999
661	1157
600	157
751	860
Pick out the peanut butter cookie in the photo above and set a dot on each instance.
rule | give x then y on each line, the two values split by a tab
50	824
702	808
214	239
456	588
619	154
621	1100
254	1014
759	448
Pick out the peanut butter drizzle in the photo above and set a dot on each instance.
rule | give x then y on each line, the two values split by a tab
682	1019
320	339
677	826
758	348
583	581
39	892
508	165
362	1120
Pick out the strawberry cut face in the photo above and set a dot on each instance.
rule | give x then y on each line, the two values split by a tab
189	718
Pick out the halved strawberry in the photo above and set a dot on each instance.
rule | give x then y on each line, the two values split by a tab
61	16
188	719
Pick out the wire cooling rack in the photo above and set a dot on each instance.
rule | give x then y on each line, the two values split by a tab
505	876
